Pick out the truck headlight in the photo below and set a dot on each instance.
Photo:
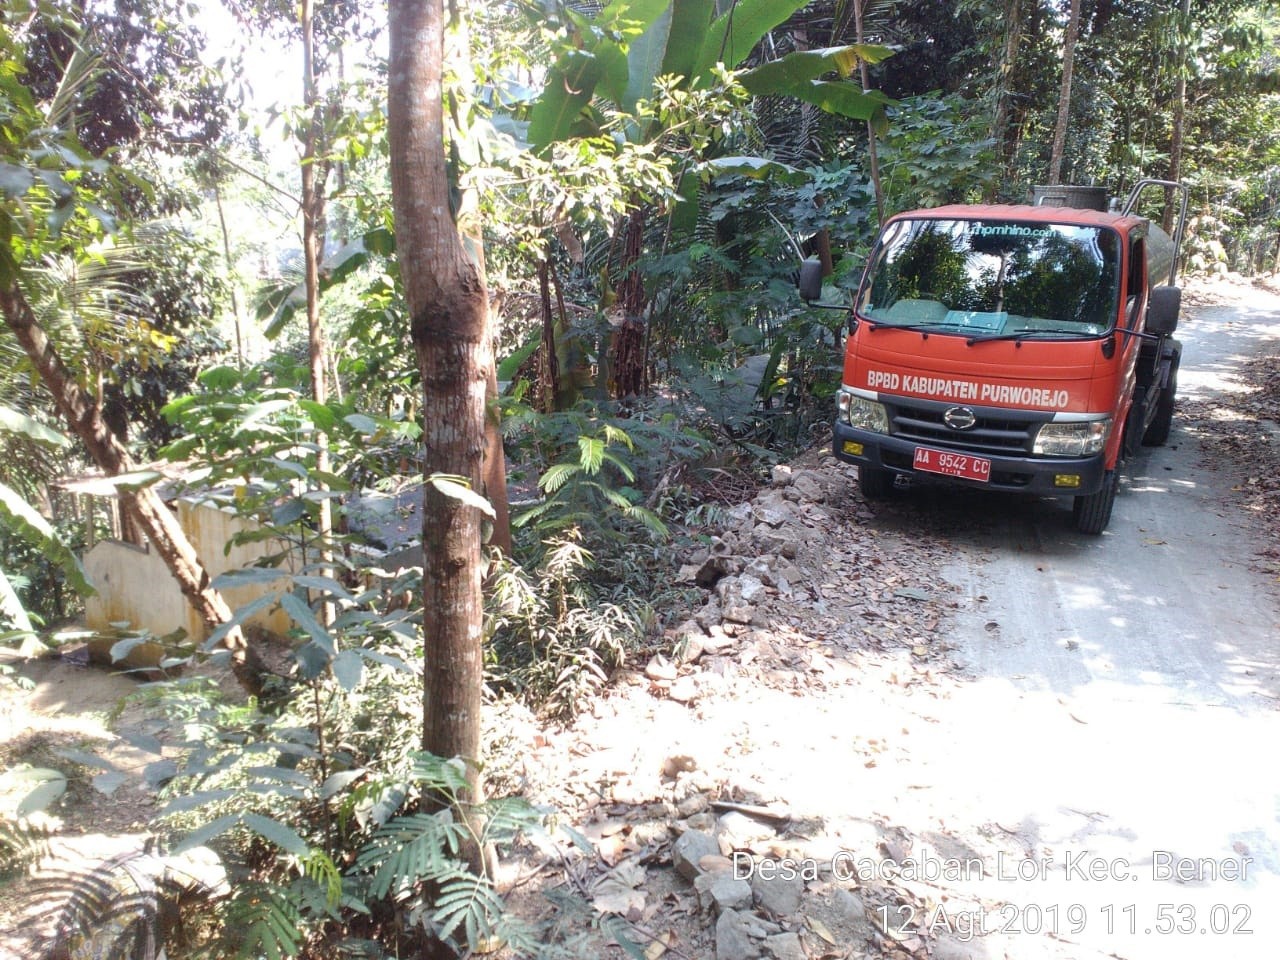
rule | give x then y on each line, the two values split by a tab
862	413
1080	439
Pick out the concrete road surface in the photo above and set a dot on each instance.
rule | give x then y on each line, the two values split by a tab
1123	715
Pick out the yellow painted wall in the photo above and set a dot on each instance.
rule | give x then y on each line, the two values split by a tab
135	586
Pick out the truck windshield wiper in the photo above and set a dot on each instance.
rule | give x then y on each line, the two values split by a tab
1026	335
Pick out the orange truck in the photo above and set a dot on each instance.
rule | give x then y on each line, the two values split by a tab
1019	348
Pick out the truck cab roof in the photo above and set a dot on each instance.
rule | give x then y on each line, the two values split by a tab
1025	213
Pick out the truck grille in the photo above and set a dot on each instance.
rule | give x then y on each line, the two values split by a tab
1006	434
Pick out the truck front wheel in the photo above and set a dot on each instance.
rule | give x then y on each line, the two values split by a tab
875	482
1157	431
1090	514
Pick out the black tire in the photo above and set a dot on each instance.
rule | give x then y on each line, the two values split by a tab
1090	514
875	482
1158	430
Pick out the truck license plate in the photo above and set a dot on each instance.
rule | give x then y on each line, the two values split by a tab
953	464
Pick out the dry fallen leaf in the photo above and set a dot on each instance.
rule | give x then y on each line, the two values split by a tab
659	945
820	928
616	892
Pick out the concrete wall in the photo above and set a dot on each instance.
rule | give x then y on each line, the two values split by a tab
135	586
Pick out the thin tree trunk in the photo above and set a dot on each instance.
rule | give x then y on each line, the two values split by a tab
313	248
226	252
872	155
471	231
446	295
626	351
142	505
549	370
1179	118
1064	98
1002	125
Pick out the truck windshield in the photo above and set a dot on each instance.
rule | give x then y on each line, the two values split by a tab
992	278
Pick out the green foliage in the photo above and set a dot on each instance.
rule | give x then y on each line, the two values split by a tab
590	487
936	151
22	844
330	813
50	182
555	636
35	552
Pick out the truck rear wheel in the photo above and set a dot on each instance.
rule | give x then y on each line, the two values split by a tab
1090	514
875	482
1158	430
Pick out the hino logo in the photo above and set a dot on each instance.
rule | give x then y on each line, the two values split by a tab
960	418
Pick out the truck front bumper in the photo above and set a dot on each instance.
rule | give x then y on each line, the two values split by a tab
1042	476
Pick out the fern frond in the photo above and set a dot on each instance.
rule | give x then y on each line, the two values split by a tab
410	849
614	434
440	774
558	475
622	466
261	922
522	519
21	844
469	902
590	454
505	818
319	867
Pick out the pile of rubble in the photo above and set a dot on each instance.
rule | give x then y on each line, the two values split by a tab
808	605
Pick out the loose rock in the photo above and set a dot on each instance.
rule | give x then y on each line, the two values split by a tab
721	892
733	941
690	847
785	946
777	896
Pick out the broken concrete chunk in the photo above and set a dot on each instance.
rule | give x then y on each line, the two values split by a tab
717	640
785	946
690	847
850	906
660	668
709	616
808	487
737	596
733	938
721	892
737	831
773	515
688	573
777	896
683	690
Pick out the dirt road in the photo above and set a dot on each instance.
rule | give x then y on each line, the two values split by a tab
1123	719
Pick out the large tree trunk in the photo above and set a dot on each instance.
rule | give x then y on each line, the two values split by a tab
142	505
1064	98
447	300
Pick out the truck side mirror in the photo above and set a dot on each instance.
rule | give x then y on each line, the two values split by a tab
1163	309
810	282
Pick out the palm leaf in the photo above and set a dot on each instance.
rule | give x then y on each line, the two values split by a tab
735	33
35	529
14	421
